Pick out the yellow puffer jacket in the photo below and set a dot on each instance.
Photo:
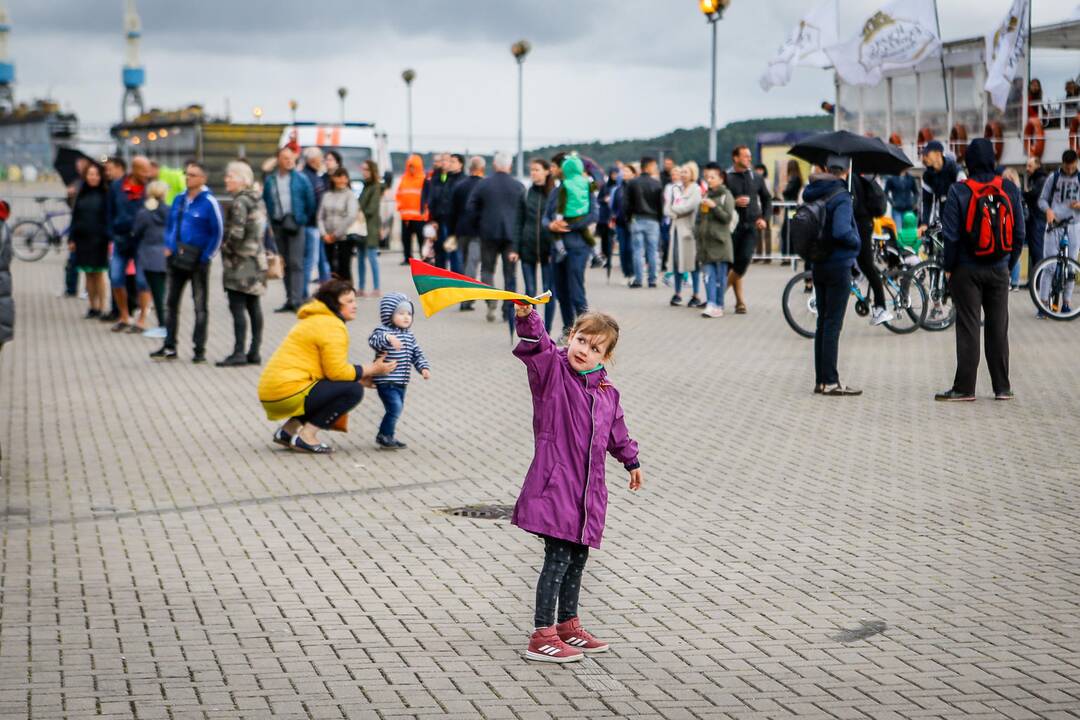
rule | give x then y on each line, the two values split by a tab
317	348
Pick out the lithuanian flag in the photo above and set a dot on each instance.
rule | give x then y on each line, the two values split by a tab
439	289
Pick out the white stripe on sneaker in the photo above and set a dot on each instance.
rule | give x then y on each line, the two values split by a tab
553	651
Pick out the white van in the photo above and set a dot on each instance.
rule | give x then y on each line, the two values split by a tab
355	142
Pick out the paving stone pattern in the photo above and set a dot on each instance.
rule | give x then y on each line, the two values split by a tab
790	555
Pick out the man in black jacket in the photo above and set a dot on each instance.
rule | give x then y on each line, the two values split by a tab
979	287
1034	218
869	205
645	210
463	224
494	203
440	205
940	175
753	203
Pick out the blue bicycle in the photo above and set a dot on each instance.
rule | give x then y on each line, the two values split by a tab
1052	280
31	239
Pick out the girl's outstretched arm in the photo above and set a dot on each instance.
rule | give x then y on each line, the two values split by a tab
536	349
621	446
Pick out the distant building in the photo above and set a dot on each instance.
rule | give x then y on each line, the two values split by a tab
29	137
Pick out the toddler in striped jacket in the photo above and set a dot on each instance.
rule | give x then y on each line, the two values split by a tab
394	337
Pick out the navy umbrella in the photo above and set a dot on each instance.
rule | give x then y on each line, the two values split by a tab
869	155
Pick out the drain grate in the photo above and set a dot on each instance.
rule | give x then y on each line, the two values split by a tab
866	629
482	512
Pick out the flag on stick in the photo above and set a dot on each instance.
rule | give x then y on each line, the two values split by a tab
439	289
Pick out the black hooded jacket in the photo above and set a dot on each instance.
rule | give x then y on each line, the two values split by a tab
981	164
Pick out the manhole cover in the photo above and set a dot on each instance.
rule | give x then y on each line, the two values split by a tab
482	512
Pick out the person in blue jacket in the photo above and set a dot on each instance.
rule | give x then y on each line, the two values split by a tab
192	238
290	206
832	276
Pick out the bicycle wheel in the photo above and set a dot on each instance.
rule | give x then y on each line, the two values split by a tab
29	240
906	299
1054	278
940	311
800	307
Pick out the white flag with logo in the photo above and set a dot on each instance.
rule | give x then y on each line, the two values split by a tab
1005	52
805	45
900	35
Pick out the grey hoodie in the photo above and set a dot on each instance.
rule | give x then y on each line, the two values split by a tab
1066	192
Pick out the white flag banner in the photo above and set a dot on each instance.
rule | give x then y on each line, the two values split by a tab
900	35
1005	52
805	45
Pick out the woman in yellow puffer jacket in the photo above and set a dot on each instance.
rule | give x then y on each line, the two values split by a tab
309	379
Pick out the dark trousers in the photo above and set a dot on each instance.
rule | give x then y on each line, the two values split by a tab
560	581
832	285
291	247
71	276
742	243
986	289
393	400
606	240
446	259
340	255
869	269
626	251
156	282
1036	231
490	251
244	306
569	280
178	279
528	270
410	230
665	241
329	400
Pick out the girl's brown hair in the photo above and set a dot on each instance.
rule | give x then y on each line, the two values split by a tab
600	325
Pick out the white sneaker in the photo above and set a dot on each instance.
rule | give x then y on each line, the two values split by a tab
712	311
881	315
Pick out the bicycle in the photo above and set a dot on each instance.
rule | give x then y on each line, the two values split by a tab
1056	275
31	239
905	297
930	273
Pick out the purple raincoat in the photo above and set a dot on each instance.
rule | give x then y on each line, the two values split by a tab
577	420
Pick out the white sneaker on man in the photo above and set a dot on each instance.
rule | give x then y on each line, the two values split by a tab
881	315
712	311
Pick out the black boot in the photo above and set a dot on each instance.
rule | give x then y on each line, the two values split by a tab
235	360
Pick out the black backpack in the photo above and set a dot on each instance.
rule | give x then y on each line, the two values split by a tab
808	229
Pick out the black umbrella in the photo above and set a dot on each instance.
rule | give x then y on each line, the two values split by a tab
869	155
65	163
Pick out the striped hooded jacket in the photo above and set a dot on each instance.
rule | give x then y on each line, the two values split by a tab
410	354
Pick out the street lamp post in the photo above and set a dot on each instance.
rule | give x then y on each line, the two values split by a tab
520	49
292	110
713	10
257	112
408	76
341	93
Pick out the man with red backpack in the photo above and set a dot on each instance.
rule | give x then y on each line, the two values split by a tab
982	224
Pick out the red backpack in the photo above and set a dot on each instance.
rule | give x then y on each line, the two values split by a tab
989	227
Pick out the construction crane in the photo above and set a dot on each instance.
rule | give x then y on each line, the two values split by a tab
134	75
7	67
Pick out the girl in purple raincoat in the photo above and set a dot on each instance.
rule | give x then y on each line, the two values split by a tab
577	420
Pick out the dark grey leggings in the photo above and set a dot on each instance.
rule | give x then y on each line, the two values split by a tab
560	580
239	304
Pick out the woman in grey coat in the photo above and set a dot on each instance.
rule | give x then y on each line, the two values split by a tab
243	260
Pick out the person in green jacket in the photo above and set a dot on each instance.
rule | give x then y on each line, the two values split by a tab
370	198
714	248
172	177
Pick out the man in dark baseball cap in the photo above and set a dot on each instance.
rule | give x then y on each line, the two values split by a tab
941	172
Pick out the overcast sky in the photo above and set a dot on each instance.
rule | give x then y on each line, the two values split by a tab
602	69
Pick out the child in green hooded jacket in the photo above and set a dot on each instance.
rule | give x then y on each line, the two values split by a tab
574	200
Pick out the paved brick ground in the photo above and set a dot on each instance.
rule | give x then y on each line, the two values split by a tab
160	559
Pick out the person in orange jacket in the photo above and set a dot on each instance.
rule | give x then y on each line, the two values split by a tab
413	215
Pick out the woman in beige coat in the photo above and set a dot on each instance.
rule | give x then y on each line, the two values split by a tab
681	200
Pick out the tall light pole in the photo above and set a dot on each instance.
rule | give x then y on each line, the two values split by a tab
713	10
520	49
408	76
341	93
292	110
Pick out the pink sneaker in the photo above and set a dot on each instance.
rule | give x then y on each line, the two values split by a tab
545	646
571	633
